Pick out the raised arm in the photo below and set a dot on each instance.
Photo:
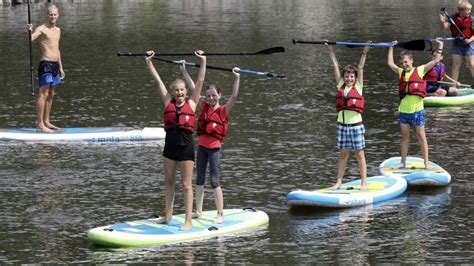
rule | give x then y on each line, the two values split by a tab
187	78
360	66
165	96
196	94
444	21
335	65
235	90
437	57
390	61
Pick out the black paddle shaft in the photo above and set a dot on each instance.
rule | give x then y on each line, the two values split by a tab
31	53
268	51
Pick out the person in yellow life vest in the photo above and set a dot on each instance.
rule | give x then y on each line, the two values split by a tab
349	107
179	117
411	91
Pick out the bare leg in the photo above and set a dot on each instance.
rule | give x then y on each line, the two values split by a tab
47	109
199	201
420	133
360	156
470	64
40	107
169	167
186	180
456	66
405	139
341	167
219	198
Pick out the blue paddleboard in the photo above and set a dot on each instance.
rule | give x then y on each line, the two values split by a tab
81	134
415	172
147	232
379	188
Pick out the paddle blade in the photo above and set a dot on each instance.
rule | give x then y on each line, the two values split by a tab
417	45
272	50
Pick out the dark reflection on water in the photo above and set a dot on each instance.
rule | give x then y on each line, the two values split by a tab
281	138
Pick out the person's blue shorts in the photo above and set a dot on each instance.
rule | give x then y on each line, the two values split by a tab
415	119
350	137
461	48
48	74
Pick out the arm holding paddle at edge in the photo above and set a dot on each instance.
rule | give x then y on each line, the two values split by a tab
196	94
334	63
390	61
360	66
165	95
235	90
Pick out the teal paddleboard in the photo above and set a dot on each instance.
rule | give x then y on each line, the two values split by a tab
464	96
147	232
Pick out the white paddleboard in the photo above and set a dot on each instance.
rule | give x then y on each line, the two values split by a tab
80	134
415	172
147	232
379	188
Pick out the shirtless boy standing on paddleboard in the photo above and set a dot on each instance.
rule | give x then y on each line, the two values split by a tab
50	69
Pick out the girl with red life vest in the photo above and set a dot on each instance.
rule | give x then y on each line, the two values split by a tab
349	107
436	74
461	47
179	117
411	91
212	129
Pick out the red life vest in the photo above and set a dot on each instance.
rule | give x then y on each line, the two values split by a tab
435	74
185	117
212	124
464	24
415	85
353	101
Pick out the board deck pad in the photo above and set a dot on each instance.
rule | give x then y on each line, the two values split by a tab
147	232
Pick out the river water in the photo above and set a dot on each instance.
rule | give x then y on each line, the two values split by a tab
281	136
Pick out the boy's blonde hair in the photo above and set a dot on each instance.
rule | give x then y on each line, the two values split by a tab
463	5
52	7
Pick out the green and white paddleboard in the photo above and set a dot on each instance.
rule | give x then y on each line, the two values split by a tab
147	232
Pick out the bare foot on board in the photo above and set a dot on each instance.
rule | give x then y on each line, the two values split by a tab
337	185
44	129
51	126
399	166
186	226
162	220
219	219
